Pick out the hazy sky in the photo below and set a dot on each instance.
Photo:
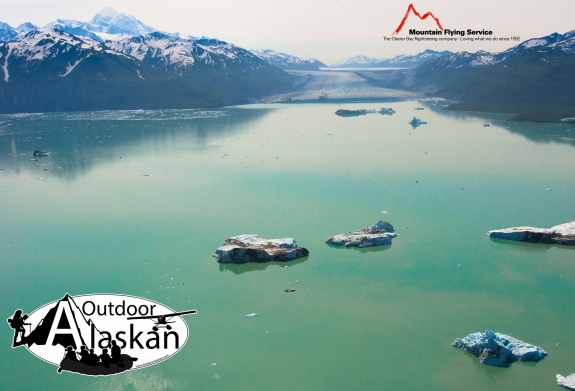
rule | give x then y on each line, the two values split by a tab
325	29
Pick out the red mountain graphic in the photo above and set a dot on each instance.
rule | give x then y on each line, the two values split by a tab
412	8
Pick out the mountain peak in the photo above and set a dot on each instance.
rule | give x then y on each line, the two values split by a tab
105	16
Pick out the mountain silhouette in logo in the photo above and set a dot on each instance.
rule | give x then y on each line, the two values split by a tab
412	8
70	320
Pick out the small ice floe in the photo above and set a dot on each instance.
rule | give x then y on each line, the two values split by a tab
386	111
251	315
37	153
415	122
384	211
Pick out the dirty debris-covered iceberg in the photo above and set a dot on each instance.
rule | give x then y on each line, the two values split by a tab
500	350
252	248
563	234
38	153
379	234
566	382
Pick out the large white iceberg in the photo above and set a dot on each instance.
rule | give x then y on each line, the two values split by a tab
563	234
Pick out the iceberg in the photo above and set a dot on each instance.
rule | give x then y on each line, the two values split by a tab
415	122
252	248
500	350
379	234
386	111
566	382
351	113
563	234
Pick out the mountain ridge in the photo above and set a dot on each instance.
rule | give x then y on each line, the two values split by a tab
51	70
288	61
400	61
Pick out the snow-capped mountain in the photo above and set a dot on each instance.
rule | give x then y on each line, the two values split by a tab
108	24
10	34
412	61
26	28
164	51
565	42
355	62
115	23
287	61
47	53
7	33
401	61
51	70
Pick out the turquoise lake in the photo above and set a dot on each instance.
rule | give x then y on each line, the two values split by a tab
375	319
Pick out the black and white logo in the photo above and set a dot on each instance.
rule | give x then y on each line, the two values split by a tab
101	334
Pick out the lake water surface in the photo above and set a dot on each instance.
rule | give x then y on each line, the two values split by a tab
371	319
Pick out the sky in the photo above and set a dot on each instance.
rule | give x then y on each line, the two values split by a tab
324	29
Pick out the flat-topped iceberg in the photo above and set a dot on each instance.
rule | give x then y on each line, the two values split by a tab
252	248
566	382
379	234
500	350
563	234
357	113
351	113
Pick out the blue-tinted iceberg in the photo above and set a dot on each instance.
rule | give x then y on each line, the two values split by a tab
386	111
500	350
415	122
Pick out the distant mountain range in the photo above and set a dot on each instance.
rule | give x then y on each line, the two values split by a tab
51	70
287	61
401	61
108	24
534	79
565	42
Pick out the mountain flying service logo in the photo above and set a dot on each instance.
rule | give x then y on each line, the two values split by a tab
425	16
101	334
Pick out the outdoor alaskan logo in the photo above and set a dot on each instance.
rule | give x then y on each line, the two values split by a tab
101	334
